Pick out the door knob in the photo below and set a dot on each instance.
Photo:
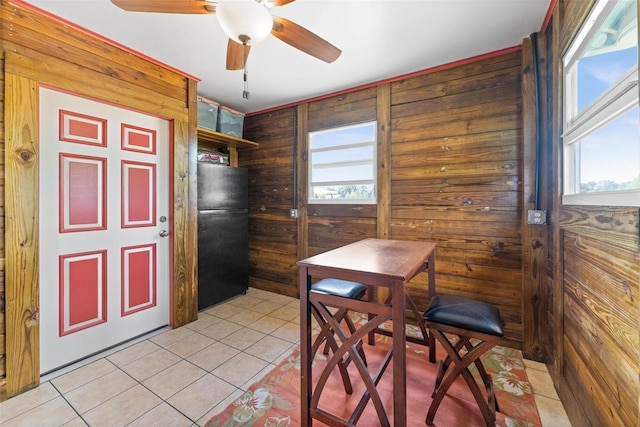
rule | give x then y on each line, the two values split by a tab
164	233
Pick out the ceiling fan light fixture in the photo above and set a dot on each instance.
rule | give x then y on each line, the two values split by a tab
244	21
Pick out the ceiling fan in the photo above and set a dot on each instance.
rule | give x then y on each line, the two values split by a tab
246	23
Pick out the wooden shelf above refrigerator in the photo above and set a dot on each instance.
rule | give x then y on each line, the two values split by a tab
213	139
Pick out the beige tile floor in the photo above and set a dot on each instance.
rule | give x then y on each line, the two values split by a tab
161	379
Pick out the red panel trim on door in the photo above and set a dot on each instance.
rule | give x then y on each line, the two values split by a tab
82	129
138	282
82	196
82	291
138	194
139	139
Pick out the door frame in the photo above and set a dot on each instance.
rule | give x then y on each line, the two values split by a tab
22	350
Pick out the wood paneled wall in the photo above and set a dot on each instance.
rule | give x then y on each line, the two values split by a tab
457	179
272	233
601	319
454	176
39	50
593	274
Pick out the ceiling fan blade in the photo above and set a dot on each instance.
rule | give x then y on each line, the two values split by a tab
237	55
304	40
166	6
279	2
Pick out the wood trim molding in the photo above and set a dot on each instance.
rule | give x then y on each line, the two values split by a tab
534	237
302	112
22	211
185	260
556	359
383	222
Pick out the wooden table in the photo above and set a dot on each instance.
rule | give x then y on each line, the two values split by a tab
374	262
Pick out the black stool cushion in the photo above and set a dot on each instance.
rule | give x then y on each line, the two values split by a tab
339	288
464	313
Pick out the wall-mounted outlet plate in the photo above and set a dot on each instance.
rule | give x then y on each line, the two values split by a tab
293	213
537	217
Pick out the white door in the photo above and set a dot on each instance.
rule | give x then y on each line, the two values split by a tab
104	225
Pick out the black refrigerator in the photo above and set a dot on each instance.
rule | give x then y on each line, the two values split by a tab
223	235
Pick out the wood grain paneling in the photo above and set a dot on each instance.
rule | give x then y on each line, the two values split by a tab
534	237
3	329
301	166
353	107
459	79
618	226
602	302
456	179
601	314
549	188
37	50
273	248
383	210
21	197
552	166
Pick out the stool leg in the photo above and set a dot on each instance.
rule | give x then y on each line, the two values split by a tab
486	379
444	364
342	315
460	367
352	329
337	315
348	345
414	310
441	387
326	334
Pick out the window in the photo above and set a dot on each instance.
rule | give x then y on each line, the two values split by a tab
342	164
601	115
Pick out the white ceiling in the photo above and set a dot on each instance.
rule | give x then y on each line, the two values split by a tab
379	39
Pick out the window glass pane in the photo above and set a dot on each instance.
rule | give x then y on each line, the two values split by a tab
343	192
611	52
342	173
609	159
343	155
341	136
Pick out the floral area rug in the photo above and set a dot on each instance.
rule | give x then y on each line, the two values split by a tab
274	401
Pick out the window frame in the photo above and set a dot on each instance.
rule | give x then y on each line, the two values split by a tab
374	165
618	99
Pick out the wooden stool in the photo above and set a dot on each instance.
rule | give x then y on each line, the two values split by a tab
343	289
465	319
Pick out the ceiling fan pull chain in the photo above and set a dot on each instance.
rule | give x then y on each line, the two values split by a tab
245	92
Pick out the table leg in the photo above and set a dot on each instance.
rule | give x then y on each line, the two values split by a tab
305	347
372	294
399	353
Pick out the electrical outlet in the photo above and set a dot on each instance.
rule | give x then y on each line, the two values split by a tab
293	213
537	217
